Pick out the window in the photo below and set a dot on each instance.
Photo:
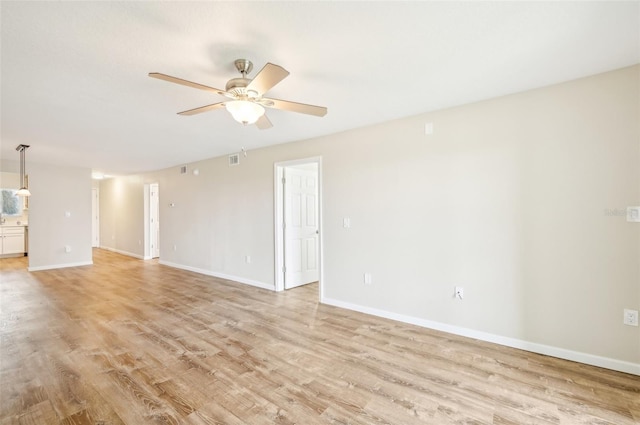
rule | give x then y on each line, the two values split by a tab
11	203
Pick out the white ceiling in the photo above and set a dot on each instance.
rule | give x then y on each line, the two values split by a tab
75	85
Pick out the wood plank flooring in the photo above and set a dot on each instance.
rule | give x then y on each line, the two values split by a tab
133	342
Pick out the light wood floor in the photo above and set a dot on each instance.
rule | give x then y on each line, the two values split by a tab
132	342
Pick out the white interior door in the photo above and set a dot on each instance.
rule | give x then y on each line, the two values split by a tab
95	218
300	226
154	220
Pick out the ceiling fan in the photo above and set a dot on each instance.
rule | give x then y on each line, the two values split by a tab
247	103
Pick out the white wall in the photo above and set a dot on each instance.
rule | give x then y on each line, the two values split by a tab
54	192
508	198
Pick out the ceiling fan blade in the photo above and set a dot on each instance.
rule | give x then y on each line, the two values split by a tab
303	108
187	83
201	109
263	122
269	76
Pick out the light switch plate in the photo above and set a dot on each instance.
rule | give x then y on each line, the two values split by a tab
428	128
633	214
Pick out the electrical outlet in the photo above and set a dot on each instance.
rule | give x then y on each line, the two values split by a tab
630	317
367	278
67	249
459	292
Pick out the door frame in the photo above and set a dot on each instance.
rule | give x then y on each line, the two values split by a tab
95	217
154	212
148	254
278	173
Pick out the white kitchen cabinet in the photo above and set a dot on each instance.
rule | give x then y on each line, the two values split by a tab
12	240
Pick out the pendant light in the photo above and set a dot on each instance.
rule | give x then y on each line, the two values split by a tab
23	191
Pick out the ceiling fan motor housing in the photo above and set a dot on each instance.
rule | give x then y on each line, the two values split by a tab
238	86
244	66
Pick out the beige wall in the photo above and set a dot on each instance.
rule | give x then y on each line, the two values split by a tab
10	165
508	198
56	191
121	202
10	180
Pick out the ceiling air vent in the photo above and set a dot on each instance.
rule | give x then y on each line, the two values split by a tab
183	169
234	159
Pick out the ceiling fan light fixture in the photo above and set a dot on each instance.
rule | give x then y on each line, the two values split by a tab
244	112
247	104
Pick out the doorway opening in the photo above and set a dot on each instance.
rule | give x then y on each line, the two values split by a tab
298	223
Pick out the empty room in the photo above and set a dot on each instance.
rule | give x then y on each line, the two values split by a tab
320	212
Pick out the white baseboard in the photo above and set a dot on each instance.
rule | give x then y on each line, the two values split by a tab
576	356
219	275
128	254
59	266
